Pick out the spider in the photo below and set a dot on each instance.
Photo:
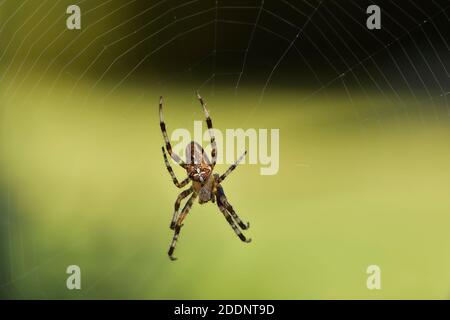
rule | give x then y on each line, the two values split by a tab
205	185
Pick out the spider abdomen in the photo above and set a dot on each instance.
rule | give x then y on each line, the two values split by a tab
198	165
199	172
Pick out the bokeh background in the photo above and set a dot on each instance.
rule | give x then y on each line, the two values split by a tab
364	148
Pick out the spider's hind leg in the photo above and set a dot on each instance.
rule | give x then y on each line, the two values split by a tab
210	130
172	174
162	124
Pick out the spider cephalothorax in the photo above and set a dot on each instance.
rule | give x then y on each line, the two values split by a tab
205	185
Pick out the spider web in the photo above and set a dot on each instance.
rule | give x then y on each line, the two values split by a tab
349	64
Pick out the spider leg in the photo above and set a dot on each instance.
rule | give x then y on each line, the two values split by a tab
223	199
180	197
231	168
231	222
179	224
172	174
211	132
162	124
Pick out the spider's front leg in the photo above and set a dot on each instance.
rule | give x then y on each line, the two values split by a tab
180	197
229	215
179	224
224	201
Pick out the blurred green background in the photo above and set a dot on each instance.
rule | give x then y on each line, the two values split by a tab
364	179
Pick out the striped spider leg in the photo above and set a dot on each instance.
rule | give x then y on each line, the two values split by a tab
231	216
172	174
180	197
179	224
226	208
162	124
181	184
211	132
222	201
231	168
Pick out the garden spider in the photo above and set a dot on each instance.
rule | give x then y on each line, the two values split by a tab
205	185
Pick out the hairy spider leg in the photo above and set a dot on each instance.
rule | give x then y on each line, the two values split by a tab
211	132
173	155
231	168
172	174
180	197
231	222
224	201
179	224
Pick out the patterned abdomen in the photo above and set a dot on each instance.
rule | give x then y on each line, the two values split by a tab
198	165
